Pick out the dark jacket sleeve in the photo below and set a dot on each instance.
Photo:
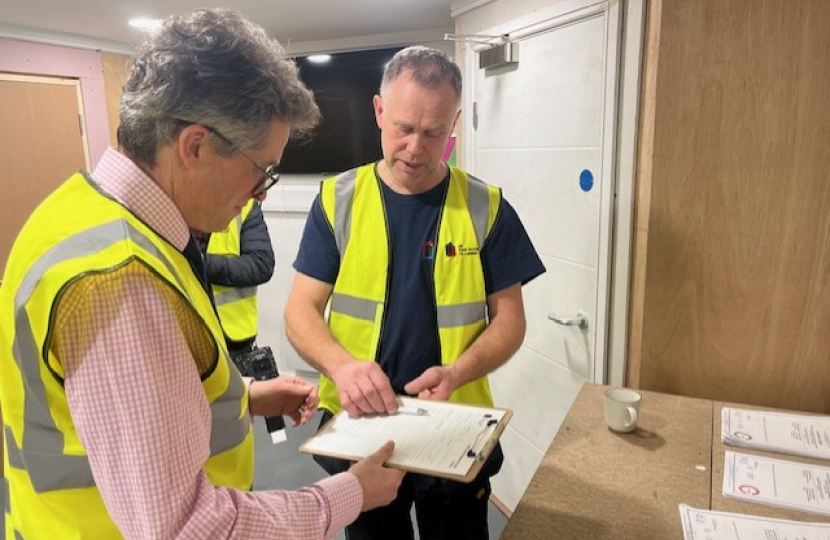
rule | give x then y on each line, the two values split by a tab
255	264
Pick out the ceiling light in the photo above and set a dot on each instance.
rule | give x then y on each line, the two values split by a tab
319	58
145	24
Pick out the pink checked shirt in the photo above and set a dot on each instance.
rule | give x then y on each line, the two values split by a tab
141	413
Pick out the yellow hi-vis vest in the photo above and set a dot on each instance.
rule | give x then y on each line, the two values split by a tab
353	204
236	306
49	488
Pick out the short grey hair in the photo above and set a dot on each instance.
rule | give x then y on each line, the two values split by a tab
212	67
430	68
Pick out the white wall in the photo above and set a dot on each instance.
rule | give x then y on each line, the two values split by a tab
539	124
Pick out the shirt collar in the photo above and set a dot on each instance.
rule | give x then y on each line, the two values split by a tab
127	183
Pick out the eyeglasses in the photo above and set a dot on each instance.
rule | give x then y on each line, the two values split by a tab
271	174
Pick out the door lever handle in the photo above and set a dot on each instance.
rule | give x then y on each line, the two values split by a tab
581	320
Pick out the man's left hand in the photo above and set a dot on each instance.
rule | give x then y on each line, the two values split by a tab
286	395
436	383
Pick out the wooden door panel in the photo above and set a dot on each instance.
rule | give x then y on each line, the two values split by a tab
40	146
737	297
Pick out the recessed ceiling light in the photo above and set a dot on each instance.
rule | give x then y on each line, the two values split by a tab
319	58
145	24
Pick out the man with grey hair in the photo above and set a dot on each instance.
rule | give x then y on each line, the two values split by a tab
124	416
421	265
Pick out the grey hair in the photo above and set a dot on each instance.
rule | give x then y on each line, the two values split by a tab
212	67
430	68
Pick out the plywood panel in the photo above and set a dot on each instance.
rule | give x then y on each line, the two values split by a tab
737	288
642	204
115	67
40	146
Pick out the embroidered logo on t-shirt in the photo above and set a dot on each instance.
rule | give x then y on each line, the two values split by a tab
429	250
450	250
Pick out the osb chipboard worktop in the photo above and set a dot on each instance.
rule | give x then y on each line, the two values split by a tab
595	484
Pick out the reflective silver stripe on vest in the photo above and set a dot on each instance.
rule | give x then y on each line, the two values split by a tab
460	314
343	200
478	203
40	434
233	295
13	450
74	470
7	508
42	448
7	505
359	308
227	429
239	224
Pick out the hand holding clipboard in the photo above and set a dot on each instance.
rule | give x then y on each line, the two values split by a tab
435	438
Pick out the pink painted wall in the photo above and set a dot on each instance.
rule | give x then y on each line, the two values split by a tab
31	58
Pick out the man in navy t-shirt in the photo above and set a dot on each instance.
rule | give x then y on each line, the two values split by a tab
404	208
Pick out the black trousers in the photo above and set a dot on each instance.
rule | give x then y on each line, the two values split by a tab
444	509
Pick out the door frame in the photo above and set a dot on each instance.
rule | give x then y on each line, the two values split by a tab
59	81
632	32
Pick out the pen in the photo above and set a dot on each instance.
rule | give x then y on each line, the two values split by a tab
415	411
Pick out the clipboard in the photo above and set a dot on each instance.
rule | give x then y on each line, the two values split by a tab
434	438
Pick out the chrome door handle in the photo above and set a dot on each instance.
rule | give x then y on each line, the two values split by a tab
581	320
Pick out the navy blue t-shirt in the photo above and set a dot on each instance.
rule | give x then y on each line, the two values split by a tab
409	344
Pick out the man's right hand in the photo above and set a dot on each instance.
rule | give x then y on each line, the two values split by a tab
380	484
364	389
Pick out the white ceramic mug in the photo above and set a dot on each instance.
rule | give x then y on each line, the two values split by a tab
622	408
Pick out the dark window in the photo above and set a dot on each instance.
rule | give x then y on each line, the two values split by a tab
348	135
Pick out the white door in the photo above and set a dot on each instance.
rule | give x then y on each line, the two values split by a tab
543	130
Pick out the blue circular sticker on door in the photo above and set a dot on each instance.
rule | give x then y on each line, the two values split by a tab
586	180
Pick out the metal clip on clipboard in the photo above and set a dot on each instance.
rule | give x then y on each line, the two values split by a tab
488	442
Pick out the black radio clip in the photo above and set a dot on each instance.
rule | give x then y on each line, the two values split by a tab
260	364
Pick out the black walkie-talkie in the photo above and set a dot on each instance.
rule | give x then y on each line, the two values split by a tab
260	364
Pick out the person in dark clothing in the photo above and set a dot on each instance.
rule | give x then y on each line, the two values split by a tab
237	260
